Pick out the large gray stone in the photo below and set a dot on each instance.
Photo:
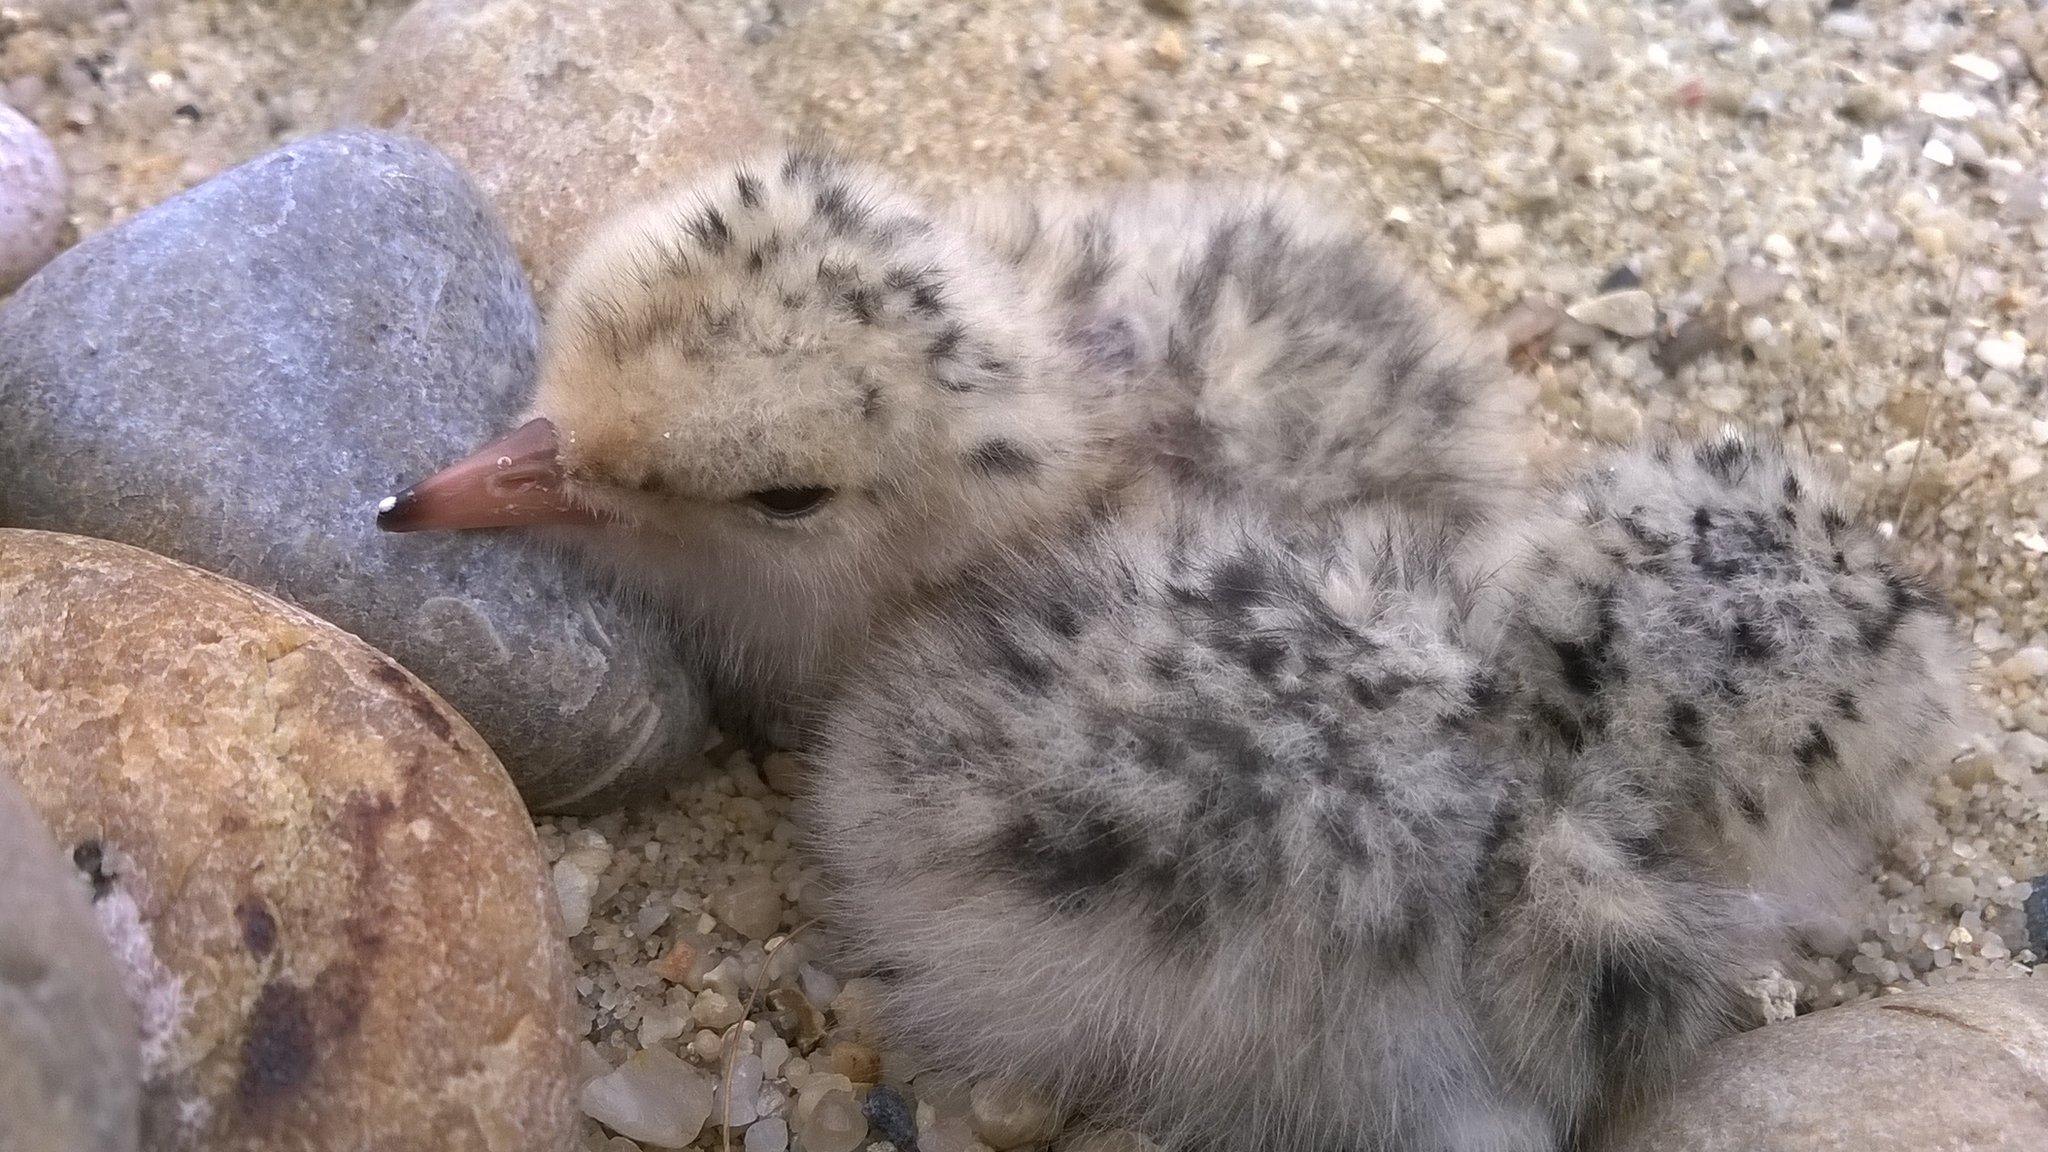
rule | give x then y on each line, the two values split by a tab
237	376
70	1065
1956	1068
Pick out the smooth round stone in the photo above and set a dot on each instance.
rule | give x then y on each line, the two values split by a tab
562	110
34	193
329	900
236	377
69	1064
1958	1067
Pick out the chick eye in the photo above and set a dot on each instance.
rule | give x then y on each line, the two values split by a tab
789	503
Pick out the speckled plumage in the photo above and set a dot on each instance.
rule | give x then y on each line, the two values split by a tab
1182	823
978	378
1731	686
1362	837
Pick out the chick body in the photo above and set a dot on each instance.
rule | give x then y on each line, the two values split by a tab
1373	835
1183	821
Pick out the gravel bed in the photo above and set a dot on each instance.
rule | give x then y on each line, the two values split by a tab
1826	217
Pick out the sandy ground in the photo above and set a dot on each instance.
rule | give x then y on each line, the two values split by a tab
1836	206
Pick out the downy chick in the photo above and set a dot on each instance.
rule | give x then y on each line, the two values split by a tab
783	400
1355	838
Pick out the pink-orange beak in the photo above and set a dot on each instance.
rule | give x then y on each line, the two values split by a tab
510	482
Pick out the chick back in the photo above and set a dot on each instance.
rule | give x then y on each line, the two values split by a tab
1271	349
1183	823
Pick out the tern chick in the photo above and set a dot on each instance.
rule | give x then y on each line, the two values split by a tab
789	397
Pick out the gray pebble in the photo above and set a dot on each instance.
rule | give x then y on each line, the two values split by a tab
34	193
70	1066
237	376
891	1115
2036	912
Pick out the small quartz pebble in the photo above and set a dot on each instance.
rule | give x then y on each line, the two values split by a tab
2007	353
573	891
1630	313
828	1118
770	1135
654	1098
34	194
857	1062
745	1078
1948	105
1010	1114
1983	68
752	907
2029	663
715	1009
1496	240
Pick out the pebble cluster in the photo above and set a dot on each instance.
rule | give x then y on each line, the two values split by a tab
1828	216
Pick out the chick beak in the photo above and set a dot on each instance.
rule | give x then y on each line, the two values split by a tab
510	482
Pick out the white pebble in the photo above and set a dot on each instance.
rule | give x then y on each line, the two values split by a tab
574	889
34	194
770	1135
2024	468
1780	247
653	1098
1948	105
819	986
1939	152
1496	240
1613	420
2007	353
828	1118
1724	398
1629	313
745	1078
752	907
716	1010
1972	64
2029	663
1850	25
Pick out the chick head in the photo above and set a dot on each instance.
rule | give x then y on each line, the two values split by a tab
776	399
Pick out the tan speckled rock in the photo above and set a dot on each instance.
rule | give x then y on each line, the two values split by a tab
560	111
69	1065
1964	1067
326	894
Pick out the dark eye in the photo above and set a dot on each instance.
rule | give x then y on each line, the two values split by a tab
790	503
